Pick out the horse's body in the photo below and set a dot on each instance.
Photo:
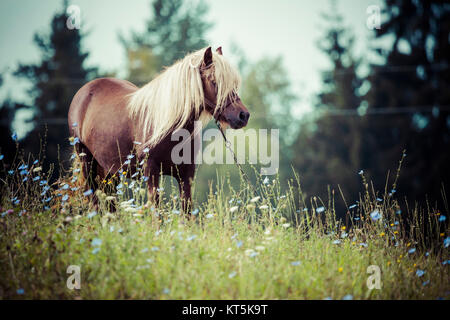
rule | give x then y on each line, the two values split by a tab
100	117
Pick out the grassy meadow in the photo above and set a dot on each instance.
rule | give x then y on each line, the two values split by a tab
277	244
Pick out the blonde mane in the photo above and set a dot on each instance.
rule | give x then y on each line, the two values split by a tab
166	103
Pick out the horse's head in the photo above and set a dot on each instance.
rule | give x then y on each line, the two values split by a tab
226	108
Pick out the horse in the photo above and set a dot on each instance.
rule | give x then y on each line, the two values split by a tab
110	119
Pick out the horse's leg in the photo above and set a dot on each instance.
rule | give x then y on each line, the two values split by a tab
89	168
184	178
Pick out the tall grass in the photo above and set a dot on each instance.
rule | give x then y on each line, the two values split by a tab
276	244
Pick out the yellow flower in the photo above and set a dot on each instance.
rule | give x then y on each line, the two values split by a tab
438	213
408	244
414	265
388	263
125	183
340	269
343	228
104	181
124	173
382	234
442	234
392	224
109	182
401	256
395	232
398	260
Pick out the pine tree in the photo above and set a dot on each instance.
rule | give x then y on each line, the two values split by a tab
55	80
413	84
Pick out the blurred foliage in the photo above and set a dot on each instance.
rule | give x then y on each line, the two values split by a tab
54	82
174	29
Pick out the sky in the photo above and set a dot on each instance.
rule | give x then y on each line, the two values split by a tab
287	28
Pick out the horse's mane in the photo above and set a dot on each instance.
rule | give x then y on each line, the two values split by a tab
167	102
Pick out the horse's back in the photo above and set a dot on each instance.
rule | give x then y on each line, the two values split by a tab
98	116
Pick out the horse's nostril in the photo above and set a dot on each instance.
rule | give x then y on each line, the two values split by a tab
244	115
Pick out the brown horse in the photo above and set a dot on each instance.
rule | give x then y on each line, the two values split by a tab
112	120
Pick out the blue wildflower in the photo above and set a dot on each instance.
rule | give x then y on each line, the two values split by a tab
239	243
190	238
1	157
361	172
336	242
412	250
65	198
447	242
320	209
35	161
352	206
20	291
155	249
347	297
442	218
232	274
87	193
194	212
75	141
295	263
36	178
92	214
96	250
420	273
146	150
14	136
11	172
75	124
96	242
375	215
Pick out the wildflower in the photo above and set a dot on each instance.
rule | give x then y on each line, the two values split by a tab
166	291
144	250
96	242
260	248
232	274
209	216
420	273
23	172
340	269
195	212
137	143
447	242
87	193
361	172
347	297
190	238
11	172
1	157
375	215
65	198
382	234
20	291
426	283
255	199
412	250
14	136
96	250
320	209
74	141
442	218
362	244
110	198
379	200
336	242
398	211
239	243
159	190
344	235
352	206
234	209
127	162
92	214
295	263
263	207
130	156
155	249
286	225
146	150
176	211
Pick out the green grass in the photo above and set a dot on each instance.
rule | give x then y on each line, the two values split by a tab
289	250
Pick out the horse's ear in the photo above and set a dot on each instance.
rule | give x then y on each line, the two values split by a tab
219	50
207	57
